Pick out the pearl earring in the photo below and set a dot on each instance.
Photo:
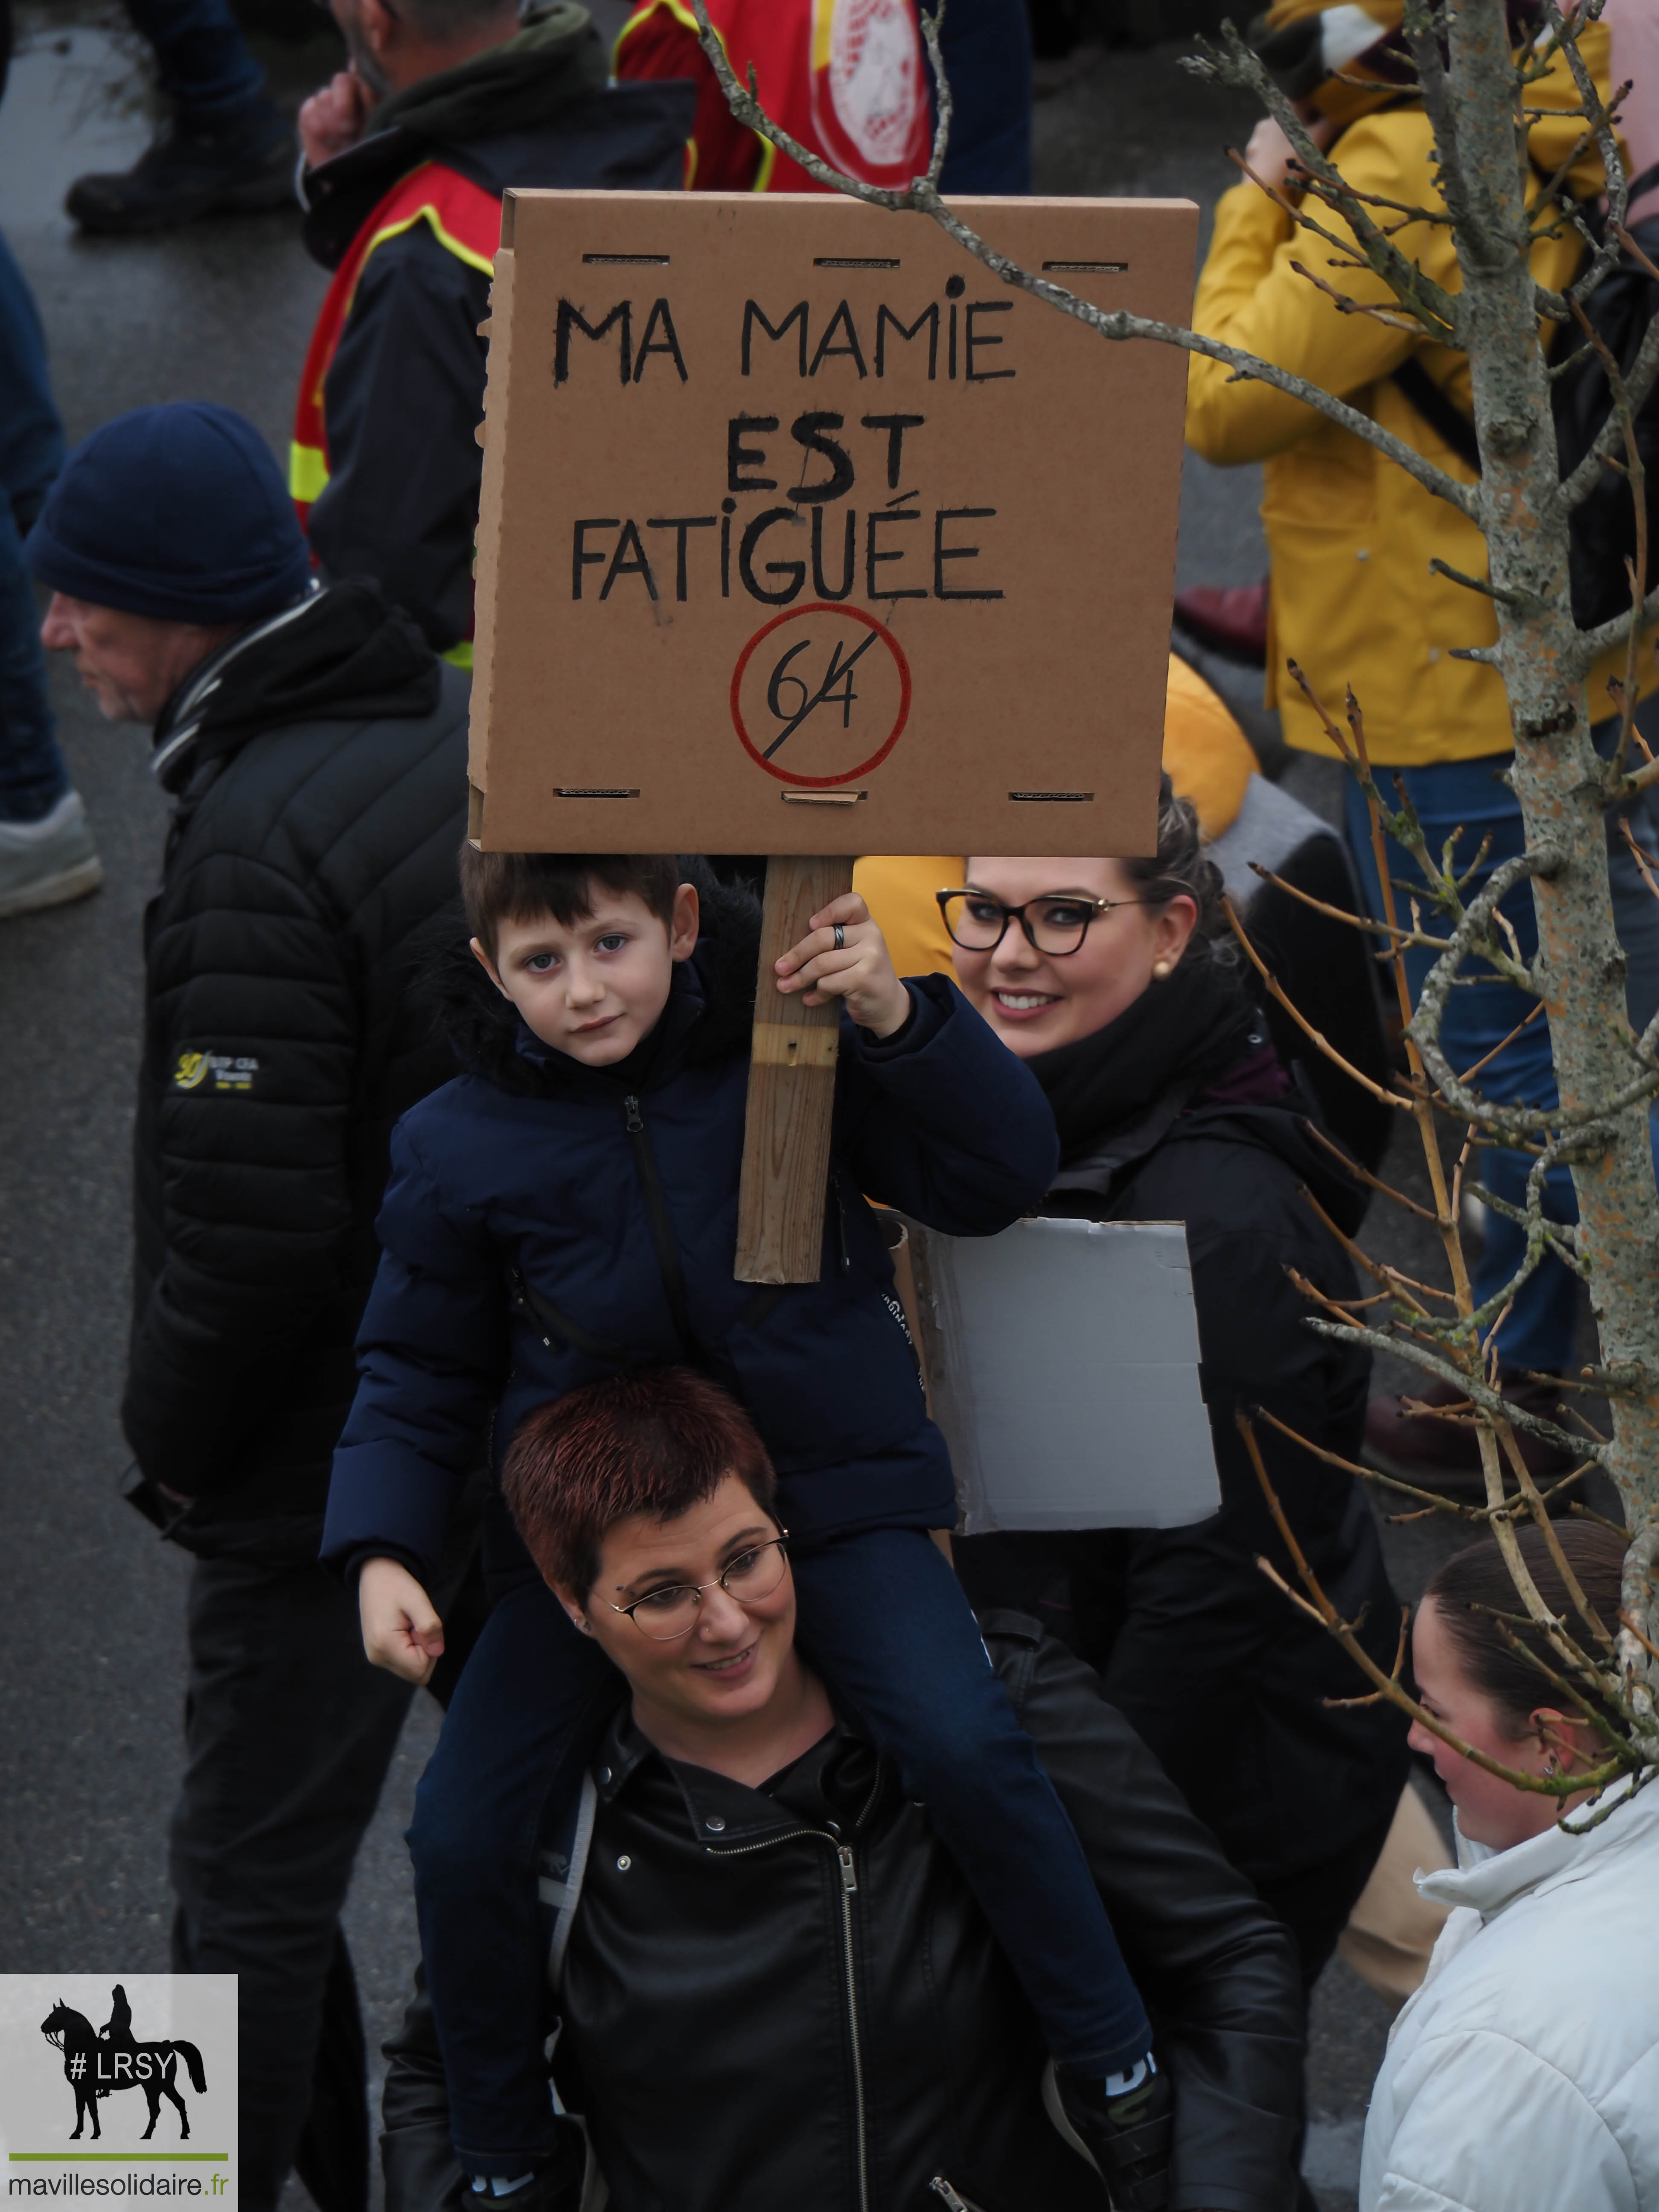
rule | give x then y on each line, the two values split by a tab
1161	969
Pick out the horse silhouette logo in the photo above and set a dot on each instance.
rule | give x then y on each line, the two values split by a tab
99	2062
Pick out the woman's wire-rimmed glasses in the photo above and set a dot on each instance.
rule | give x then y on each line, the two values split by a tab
665	1615
978	923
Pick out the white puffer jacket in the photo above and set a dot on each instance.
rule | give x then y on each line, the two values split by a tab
1523	2076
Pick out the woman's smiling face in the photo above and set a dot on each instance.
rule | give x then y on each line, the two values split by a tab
727	1667
1036	1000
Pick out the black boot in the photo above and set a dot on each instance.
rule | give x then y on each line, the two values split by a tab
1126	2133
192	170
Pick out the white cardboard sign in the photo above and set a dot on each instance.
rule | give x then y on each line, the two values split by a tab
1062	1364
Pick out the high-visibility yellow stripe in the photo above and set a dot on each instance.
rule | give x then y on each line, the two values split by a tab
429	214
683	15
307	473
823	16
461	656
425	213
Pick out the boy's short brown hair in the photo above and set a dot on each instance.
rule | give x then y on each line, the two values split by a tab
500	887
656	1440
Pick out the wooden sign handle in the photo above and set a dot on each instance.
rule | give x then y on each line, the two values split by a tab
791	1089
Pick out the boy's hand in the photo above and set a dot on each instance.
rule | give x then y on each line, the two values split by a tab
856	971
401	1632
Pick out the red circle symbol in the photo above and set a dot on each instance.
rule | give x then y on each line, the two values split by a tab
840	668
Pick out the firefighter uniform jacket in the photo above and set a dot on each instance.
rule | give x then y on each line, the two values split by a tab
847	79
384	465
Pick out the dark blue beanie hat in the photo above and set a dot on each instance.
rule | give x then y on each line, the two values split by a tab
178	512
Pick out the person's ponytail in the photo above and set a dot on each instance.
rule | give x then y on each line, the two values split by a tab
1474	1588
1182	868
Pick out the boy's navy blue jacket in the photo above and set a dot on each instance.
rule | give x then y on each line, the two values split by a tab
521	1258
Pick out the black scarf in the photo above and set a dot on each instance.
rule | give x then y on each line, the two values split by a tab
1186	1032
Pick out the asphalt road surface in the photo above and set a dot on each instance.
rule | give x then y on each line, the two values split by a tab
91	1673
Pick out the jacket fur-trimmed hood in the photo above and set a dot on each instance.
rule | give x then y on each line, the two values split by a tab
710	1012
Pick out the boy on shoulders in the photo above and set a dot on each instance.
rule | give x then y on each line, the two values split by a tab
567	1207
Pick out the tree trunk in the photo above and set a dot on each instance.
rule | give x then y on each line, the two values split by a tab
1467	74
1558	777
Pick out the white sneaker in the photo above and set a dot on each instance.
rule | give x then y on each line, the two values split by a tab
48	862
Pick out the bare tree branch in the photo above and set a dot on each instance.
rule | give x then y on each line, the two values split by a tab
1592	643
1639	383
1488	1400
1613	167
1474	87
1622	1760
922	196
1435	309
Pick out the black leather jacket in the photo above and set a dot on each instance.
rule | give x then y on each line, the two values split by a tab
787	2001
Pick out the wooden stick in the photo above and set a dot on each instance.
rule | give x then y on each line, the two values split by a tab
791	1089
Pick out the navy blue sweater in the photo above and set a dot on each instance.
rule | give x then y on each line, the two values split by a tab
521	1195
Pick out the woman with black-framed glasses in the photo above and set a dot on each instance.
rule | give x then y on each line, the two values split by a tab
1054	923
1118	982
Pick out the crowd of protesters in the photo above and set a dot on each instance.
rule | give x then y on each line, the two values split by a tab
776	1851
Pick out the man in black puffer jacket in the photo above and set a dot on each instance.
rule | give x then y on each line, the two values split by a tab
314	751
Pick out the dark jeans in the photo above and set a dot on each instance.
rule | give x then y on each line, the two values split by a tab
205	68
885	1621
1453	796
288	1733
32	776
525	1722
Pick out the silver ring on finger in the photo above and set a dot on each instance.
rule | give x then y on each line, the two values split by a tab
840	935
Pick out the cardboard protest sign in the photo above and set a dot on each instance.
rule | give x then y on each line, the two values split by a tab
802	534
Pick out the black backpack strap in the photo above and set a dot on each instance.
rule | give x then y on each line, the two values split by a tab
553	1322
760	1305
563	1869
662	1236
1442	414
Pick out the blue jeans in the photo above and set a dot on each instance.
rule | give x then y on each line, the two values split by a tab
886	1623
32	776
205	68
1450	795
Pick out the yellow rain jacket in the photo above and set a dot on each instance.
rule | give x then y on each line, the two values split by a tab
1351	534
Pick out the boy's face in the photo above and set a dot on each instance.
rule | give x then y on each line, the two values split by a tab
596	987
